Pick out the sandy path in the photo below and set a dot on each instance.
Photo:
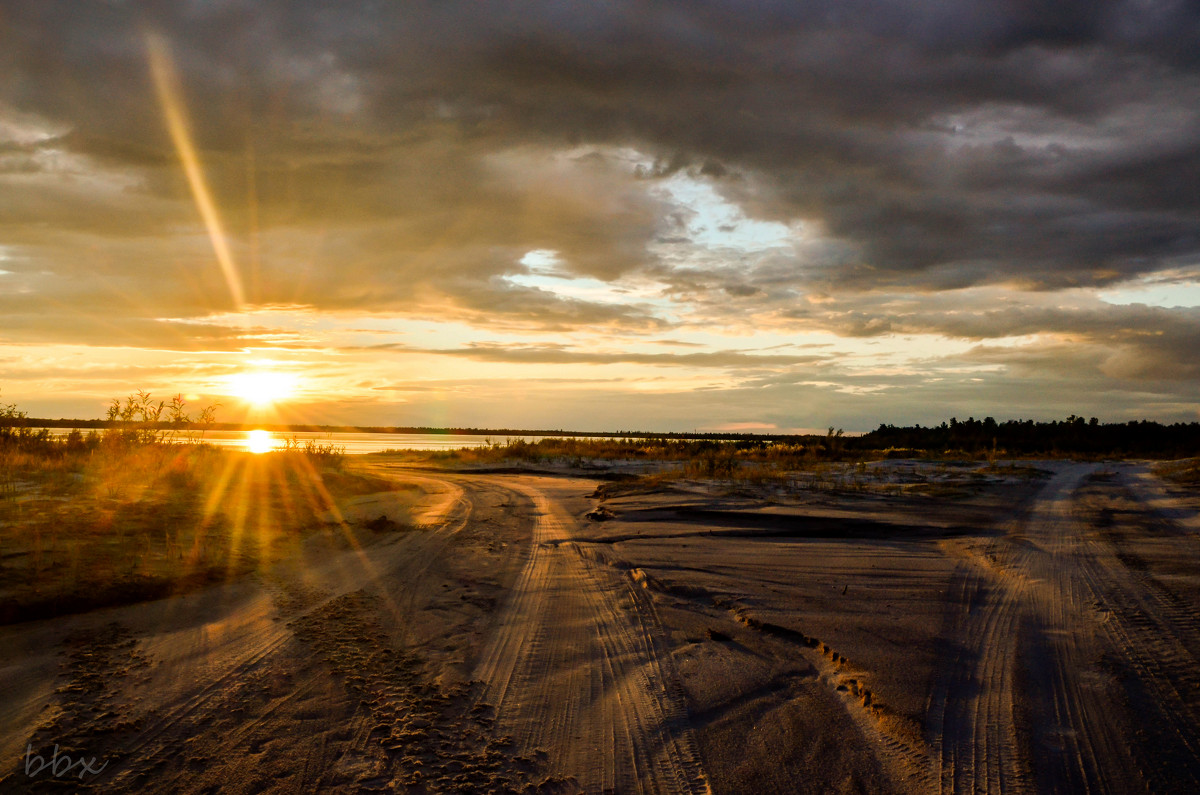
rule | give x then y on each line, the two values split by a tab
1152	492
578	673
972	717
1071	656
181	658
284	682
1051	632
1096	614
195	663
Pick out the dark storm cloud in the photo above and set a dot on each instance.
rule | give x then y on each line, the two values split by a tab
848	106
393	156
981	315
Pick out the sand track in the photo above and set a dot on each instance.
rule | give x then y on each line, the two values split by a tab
259	636
503	646
1059	649
577	655
192	661
575	688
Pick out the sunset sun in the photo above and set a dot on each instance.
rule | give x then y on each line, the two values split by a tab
263	387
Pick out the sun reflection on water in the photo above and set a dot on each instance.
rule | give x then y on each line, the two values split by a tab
260	441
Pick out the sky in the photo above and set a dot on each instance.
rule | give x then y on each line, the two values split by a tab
764	216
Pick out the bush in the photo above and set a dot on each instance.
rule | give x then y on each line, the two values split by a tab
142	421
327	456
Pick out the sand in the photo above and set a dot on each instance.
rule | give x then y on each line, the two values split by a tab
941	629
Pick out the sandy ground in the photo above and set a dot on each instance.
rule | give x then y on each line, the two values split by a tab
1018	634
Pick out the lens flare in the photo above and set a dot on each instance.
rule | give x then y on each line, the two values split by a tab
167	85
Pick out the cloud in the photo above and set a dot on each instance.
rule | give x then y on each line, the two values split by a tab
142	333
557	354
986	142
862	168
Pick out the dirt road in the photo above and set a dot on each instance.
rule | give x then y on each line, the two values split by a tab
1066	656
482	652
578	670
490	638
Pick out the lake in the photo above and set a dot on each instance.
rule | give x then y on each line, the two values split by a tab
354	443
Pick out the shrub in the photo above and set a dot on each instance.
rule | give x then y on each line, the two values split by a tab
328	456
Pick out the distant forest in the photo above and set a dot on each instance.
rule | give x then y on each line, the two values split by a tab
1072	436
1026	437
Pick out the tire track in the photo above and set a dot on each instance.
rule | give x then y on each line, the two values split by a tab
1056	604
265	637
972	716
1158	636
972	727
1082	750
577	671
1114	612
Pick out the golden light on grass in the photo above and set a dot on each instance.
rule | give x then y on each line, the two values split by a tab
260	441
263	388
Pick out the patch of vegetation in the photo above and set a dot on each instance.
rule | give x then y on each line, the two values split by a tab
704	455
1185	472
144	510
327	456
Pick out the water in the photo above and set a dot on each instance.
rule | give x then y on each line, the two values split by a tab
354	443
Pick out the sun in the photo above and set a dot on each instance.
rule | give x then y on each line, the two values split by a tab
260	441
263	387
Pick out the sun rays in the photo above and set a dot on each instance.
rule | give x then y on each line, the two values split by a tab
264	502
166	83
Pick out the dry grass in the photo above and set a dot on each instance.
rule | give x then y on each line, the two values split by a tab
788	479
1185	472
768	468
122	523
703	453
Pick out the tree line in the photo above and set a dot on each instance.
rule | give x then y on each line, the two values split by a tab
1027	437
